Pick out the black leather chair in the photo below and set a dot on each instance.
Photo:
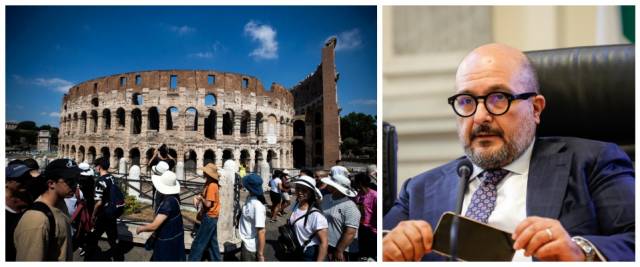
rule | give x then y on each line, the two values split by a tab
590	93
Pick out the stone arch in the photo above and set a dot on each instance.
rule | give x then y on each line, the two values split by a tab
209	157
119	153
298	128
91	154
105	153
120	114
83	117
190	161
227	122
134	156
75	122
153	119
94	120
272	126
73	152
258	156
272	158
171	117
210	100
191	119
210	125
149	154
245	157
259	131
244	122
81	154
136	121
137	99
299	154
226	155
281	127
106	116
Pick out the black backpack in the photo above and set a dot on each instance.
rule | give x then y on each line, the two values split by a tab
41	207
114	207
288	240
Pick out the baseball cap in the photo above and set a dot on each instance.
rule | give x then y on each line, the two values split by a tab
66	169
15	172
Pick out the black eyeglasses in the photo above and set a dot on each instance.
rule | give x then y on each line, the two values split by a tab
496	103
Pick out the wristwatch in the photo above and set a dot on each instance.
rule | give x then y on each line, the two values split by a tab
586	247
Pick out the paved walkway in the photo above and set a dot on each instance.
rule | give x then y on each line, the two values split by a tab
133	245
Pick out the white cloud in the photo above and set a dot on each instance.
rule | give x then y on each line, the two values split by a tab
363	102
348	40
182	30
55	84
202	55
266	36
54	114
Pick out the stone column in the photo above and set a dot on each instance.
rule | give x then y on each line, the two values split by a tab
200	124
236	124
252	127
199	163
100	129
145	123
114	123
113	162
265	172
226	229
122	165
219	158
219	119
128	128
180	170
134	174
163	122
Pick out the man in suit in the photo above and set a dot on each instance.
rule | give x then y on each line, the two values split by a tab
564	199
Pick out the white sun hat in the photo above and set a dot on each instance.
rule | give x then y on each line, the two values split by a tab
167	183
86	169
340	183
309	183
160	168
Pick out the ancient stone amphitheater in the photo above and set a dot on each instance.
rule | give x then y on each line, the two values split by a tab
202	116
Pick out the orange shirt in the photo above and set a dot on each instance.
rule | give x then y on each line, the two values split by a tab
213	194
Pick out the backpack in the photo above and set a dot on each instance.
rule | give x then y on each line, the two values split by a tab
81	218
288	240
114	207
41	207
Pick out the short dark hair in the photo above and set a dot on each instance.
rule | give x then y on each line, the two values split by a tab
102	162
306	172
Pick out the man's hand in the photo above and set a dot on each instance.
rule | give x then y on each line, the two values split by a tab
338	255
546	240
409	241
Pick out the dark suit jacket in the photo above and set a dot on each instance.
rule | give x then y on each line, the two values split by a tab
588	186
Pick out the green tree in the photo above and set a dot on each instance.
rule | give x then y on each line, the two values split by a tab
27	125
357	130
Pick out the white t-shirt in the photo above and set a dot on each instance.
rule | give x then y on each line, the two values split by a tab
339	170
274	185
254	215
315	221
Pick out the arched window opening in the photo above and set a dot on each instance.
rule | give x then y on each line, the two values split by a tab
153	118
210	125
210	100
171	117
191	123
244	123
227	123
136	118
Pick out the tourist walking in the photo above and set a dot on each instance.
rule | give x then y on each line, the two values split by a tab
252	221
275	194
207	236
44	232
311	230
167	240
366	201
104	221
342	215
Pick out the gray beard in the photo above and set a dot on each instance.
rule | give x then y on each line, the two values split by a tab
509	152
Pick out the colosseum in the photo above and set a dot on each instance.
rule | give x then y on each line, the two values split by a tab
204	116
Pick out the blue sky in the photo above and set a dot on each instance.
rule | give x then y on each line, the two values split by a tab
49	49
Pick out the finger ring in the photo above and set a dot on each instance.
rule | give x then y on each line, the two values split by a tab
549	233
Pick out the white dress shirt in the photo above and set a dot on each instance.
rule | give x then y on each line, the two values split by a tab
511	204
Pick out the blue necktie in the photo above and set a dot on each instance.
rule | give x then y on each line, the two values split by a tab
483	201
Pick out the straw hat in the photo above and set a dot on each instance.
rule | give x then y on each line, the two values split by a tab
211	170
